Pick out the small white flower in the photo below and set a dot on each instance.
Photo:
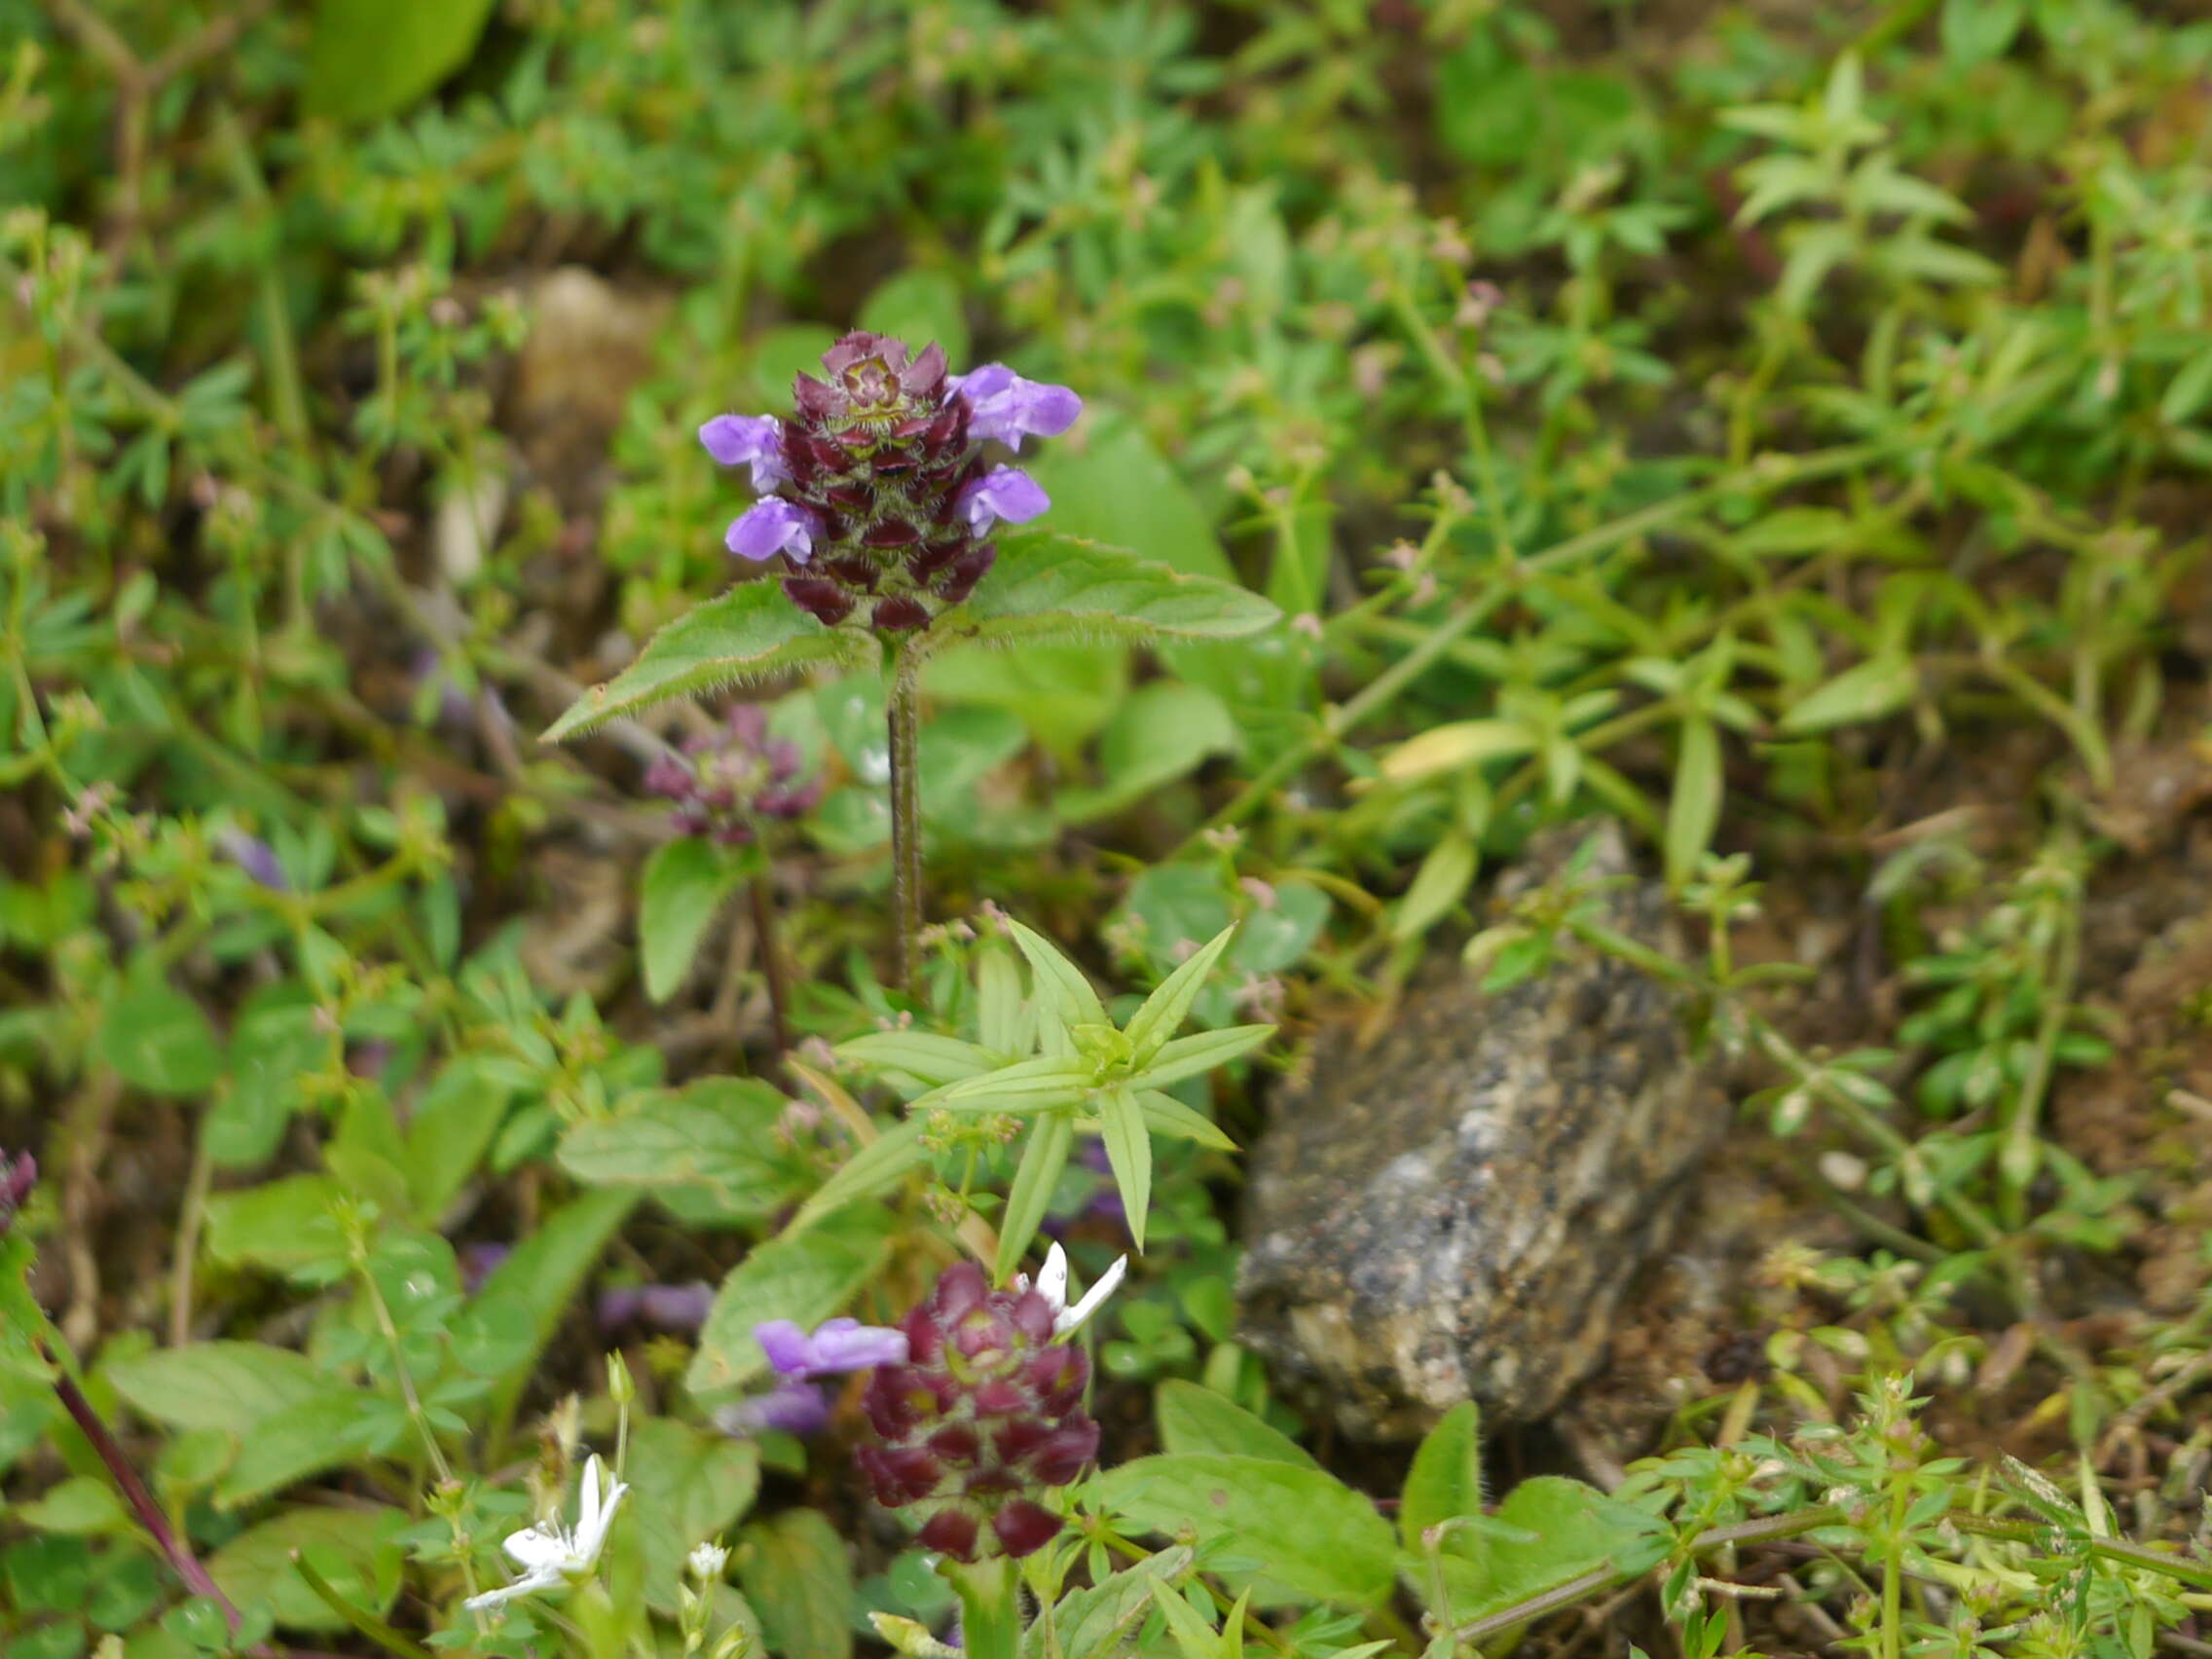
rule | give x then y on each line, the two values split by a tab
549	1554
1053	1286
708	1559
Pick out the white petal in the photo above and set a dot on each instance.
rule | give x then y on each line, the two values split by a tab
1052	1278
1091	1302
527	1585
587	1500
536	1549
592	1536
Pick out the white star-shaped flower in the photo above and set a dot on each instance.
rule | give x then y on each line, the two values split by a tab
1053	1286
552	1556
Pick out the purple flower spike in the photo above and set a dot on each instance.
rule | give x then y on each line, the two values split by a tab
1004	493
20	1174
790	1407
838	1345
755	440
772	527
1002	405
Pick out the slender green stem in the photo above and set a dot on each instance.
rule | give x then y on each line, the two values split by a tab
368	1624
399	1366
905	719
773	968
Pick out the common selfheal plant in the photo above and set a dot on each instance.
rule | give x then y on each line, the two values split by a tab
552	1556
876	492
987	1411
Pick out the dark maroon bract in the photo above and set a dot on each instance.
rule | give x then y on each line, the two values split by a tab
987	1411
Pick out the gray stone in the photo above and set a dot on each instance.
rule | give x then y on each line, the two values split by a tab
1454	1211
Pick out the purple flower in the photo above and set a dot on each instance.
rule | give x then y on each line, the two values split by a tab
478	1262
20	1174
253	856
664	1306
771	527
1004	493
1003	406
789	1407
837	1344
755	440
727	782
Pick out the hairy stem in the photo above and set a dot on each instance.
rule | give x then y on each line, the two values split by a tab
907	812
770	947
171	1544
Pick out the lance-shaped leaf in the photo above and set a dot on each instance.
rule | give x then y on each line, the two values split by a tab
1129	1150
929	1060
1169	1117
1200	1053
749	633
1031	1195
1062	587
868	1173
1059	980
1048	1079
1165	1010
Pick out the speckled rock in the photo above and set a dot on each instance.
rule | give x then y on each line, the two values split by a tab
1455	1211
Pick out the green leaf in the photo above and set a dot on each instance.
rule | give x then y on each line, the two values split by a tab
1091	1623
539	1278
1202	1052
1573	1529
919	1056
1051	1137
1165	1010
1108	484
869	1171
1167	1115
1307	1534
748	634
1974	31
684	884
1128	1149
1456	745
228	1386
919	307
1440	883
717	1132
1047	586
449	1130
272	1044
287	1446
1045	1079
798	1577
1194	1417
370	59
804	1278
157	1039
1866	691
1445	1480
689	1486
281	1225
356	1550
1161	732
1059	980
1693	810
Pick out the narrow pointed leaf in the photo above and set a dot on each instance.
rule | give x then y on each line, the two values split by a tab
928	1058
1165	1010
1128	1149
1051	1137
998	1002
749	633
1004	1082
1058	978
1169	1116
1200	1053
